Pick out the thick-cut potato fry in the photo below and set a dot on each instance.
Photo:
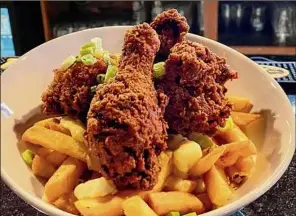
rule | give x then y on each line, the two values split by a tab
255	131
41	167
64	179
44	151
103	206
243	119
204	198
53	124
164	202
135	206
45	123
240	104
186	156
246	164
94	188
218	189
235	150
57	127
76	128
233	135
56	158
66	203
236	176
174	183
206	162
166	164
56	141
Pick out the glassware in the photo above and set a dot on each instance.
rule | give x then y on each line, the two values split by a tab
226	15
284	23
258	18
157	9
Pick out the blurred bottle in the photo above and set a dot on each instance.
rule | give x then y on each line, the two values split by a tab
226	15
139	15
237	14
200	13
157	9
258	18
284	23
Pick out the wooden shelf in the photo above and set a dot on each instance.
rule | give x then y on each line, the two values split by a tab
266	50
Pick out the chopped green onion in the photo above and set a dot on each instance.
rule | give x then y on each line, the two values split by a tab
97	43
111	72
28	157
106	57
87	45
78	58
158	70
93	89
228	125
191	214
101	78
173	214
88	59
99	54
87	50
203	140
68	62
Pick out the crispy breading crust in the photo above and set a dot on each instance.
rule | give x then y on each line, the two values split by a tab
69	92
194	83
171	28
126	130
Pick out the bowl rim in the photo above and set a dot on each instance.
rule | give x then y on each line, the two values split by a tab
47	208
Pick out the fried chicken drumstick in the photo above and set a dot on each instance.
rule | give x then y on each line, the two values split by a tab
171	28
194	83
126	130
70	91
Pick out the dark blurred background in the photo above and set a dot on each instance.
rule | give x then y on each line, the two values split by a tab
265	28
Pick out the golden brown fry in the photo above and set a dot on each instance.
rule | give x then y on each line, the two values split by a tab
56	141
136	206
64	179
75	127
246	164
243	119
103	206
56	158
164	202
236	176
200	186
66	203
174	183
44	151
206	162
233	135
235	150
45	122
41	167
217	188
240	104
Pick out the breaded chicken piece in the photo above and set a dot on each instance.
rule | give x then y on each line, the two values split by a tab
126	130
69	92
171	28
194	83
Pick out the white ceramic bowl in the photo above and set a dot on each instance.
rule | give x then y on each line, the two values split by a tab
23	83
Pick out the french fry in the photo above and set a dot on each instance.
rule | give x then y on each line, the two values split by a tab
136	206
44	151
243	119
41	167
103	206
76	128
240	104
186	156
56	141
174	183
66	203
64	179
45	123
57	127
235	150
246	164
217	188
204	198
94	188
164	202
56	158
233	135
236	176
206	162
